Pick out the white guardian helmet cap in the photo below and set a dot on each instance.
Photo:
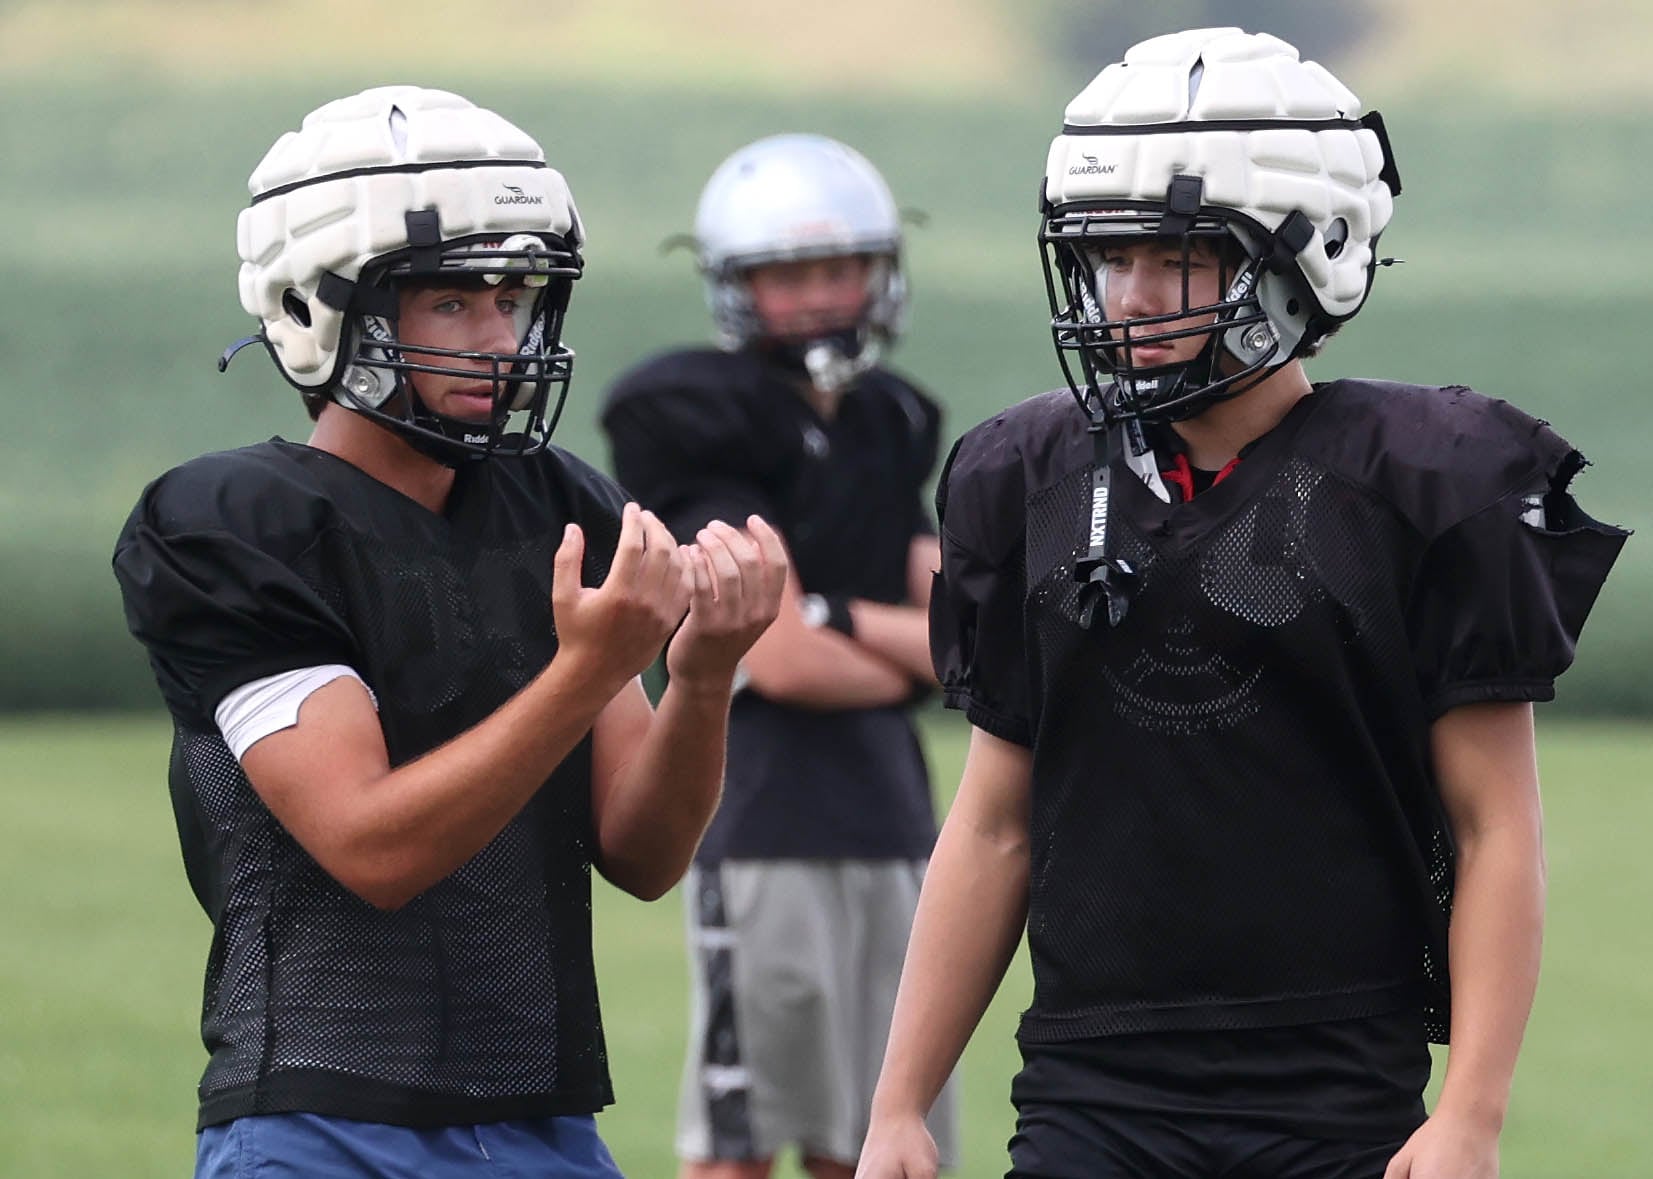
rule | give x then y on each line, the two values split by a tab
397	184
1226	136
794	197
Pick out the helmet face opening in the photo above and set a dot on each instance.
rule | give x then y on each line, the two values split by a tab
813	316
1144	363
529	384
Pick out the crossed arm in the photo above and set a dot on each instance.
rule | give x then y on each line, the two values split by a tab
387	834
823	669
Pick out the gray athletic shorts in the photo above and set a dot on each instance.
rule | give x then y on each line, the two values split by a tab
794	966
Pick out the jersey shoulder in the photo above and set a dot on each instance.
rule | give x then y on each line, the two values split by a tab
1437	454
998	464
676	369
262	493
906	414
922	412
589	493
697	401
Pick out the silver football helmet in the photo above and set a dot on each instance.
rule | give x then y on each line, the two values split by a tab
792	197
1227	136
400	184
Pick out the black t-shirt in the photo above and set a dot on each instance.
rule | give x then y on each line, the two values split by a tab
1353	1080
1235	822
477	1000
699	435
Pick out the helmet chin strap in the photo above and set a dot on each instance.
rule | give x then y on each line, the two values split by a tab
1135	394
831	369
831	362
449	441
1107	581
1138	395
388	399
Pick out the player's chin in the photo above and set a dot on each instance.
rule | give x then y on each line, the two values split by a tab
469	406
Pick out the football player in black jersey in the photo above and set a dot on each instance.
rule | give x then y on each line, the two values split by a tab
1249	662
402	664
801	895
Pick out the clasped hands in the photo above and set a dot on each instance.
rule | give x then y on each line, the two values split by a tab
718	595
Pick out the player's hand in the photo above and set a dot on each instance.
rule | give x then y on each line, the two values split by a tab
1445	1147
898	1148
612	632
738	579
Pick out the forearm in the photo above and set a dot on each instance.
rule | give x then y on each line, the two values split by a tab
900	634
822	669
407	828
654	817
1497	927
969	921
388	834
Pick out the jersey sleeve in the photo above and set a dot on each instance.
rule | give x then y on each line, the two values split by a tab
1502	595
687	451
919	419
214	609
976	606
927	447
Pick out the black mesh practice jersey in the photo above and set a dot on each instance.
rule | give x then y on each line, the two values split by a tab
477	1000
1235	822
699	435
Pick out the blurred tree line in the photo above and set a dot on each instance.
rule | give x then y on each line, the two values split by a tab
1090	33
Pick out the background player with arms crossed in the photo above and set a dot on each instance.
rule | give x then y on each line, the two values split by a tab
402	666
1249	662
802	893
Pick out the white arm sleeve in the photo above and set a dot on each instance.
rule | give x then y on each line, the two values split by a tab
256	709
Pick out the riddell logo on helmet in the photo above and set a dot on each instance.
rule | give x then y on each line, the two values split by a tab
518	197
1091	168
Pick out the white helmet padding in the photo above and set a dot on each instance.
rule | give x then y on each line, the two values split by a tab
402	182
1241	135
790	197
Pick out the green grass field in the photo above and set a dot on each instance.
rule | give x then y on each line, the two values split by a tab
101	973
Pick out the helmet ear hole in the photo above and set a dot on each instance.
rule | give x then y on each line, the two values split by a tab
296	307
1337	233
1293	306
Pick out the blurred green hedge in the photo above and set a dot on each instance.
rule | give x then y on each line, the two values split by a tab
1527	251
